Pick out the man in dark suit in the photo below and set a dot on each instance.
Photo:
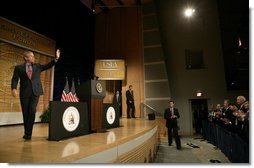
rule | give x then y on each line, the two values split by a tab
30	88
130	103
117	101
171	115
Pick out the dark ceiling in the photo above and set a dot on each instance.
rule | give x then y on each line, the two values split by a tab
98	6
234	27
70	24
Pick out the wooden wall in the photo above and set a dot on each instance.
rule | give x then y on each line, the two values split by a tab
118	35
144	153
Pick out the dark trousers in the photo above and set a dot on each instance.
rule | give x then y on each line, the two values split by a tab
28	106
198	127
130	110
120	111
176	136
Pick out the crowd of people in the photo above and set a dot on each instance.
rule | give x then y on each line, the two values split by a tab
233	117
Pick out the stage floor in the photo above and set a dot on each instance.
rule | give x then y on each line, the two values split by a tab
14	149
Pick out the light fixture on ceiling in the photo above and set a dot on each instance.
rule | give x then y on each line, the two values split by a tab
93	6
189	12
199	93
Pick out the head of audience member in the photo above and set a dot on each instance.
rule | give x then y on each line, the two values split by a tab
226	103
240	100
246	106
130	87
218	106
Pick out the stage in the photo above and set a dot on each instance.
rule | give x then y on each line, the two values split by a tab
134	142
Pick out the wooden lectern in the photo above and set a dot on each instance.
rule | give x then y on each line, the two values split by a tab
93	92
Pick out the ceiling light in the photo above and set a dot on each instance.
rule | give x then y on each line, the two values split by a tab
199	94
189	12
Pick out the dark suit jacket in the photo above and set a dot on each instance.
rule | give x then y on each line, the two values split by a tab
167	115
27	85
119	103
129	97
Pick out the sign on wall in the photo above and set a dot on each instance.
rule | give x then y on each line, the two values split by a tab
110	69
20	36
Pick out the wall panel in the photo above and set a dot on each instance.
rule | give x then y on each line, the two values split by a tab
119	36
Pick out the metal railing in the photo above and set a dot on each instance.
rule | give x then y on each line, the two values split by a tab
151	109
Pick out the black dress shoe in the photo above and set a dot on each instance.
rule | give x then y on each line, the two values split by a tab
212	161
169	144
178	148
27	137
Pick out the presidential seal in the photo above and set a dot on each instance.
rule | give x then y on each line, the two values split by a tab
71	119
99	87
111	115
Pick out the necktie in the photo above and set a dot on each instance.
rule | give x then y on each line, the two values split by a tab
29	71
172	111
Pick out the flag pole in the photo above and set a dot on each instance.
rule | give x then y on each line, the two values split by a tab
52	83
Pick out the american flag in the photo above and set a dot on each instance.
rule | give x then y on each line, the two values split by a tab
72	94
65	94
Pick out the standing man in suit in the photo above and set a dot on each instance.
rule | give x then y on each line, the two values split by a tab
171	115
130	103
118	102
28	74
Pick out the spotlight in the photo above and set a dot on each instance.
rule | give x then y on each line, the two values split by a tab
189	12
93	6
199	94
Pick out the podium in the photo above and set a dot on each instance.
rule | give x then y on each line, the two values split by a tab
111	115
92	92
67	119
